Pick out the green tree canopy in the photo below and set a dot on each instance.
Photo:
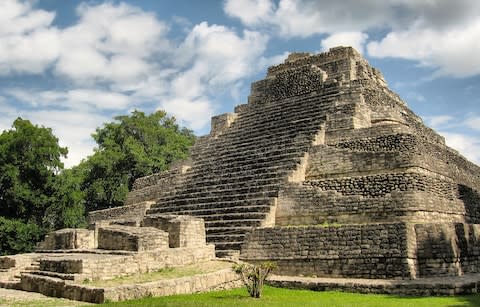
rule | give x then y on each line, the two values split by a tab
30	158
128	148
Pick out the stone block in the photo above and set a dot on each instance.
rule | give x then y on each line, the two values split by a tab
183	231
116	237
69	238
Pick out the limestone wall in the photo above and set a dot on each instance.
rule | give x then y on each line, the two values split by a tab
382	184
134	211
364	251
302	205
447	249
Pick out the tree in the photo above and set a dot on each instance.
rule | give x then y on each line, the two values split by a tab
30	158
17	236
67	209
128	148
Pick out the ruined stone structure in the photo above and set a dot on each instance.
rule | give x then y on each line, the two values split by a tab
327	172
324	171
67	259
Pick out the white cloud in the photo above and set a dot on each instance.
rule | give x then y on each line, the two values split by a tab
116	57
466	145
195	112
453	51
473	122
73	128
437	122
250	12
28	43
18	18
441	34
354	39
73	99
112	43
212	58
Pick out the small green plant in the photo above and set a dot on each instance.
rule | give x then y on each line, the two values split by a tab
254	275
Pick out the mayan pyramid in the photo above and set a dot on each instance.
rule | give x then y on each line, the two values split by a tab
327	172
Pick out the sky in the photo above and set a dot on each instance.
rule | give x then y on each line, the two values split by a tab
74	65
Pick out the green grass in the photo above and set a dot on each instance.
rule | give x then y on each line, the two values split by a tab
286	297
167	273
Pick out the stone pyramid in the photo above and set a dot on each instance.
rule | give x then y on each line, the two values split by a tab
327	172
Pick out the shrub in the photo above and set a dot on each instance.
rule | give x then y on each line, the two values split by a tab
254	275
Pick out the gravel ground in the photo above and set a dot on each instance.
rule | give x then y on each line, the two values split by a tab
10	297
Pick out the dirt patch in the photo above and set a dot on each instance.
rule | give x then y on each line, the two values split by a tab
10	297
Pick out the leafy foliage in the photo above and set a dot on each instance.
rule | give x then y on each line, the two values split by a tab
67	209
128	148
35	194
254	275
29	161
17	236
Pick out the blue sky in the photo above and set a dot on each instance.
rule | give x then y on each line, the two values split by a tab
73	65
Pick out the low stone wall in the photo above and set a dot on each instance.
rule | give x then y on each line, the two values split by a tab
224	279
221	280
421	287
363	251
136	211
103	266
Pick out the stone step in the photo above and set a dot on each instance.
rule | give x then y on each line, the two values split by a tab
228	245
239	158
228	230
213	238
218	196
274	122
210	209
231	254
234	216
64	276
234	223
262	148
190	205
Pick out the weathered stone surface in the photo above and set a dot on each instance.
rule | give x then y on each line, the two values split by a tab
322	140
117	237
183	231
68	239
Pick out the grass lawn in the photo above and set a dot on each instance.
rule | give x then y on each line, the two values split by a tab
286	297
167	273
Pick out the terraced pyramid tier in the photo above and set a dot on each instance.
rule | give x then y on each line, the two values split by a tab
323	149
